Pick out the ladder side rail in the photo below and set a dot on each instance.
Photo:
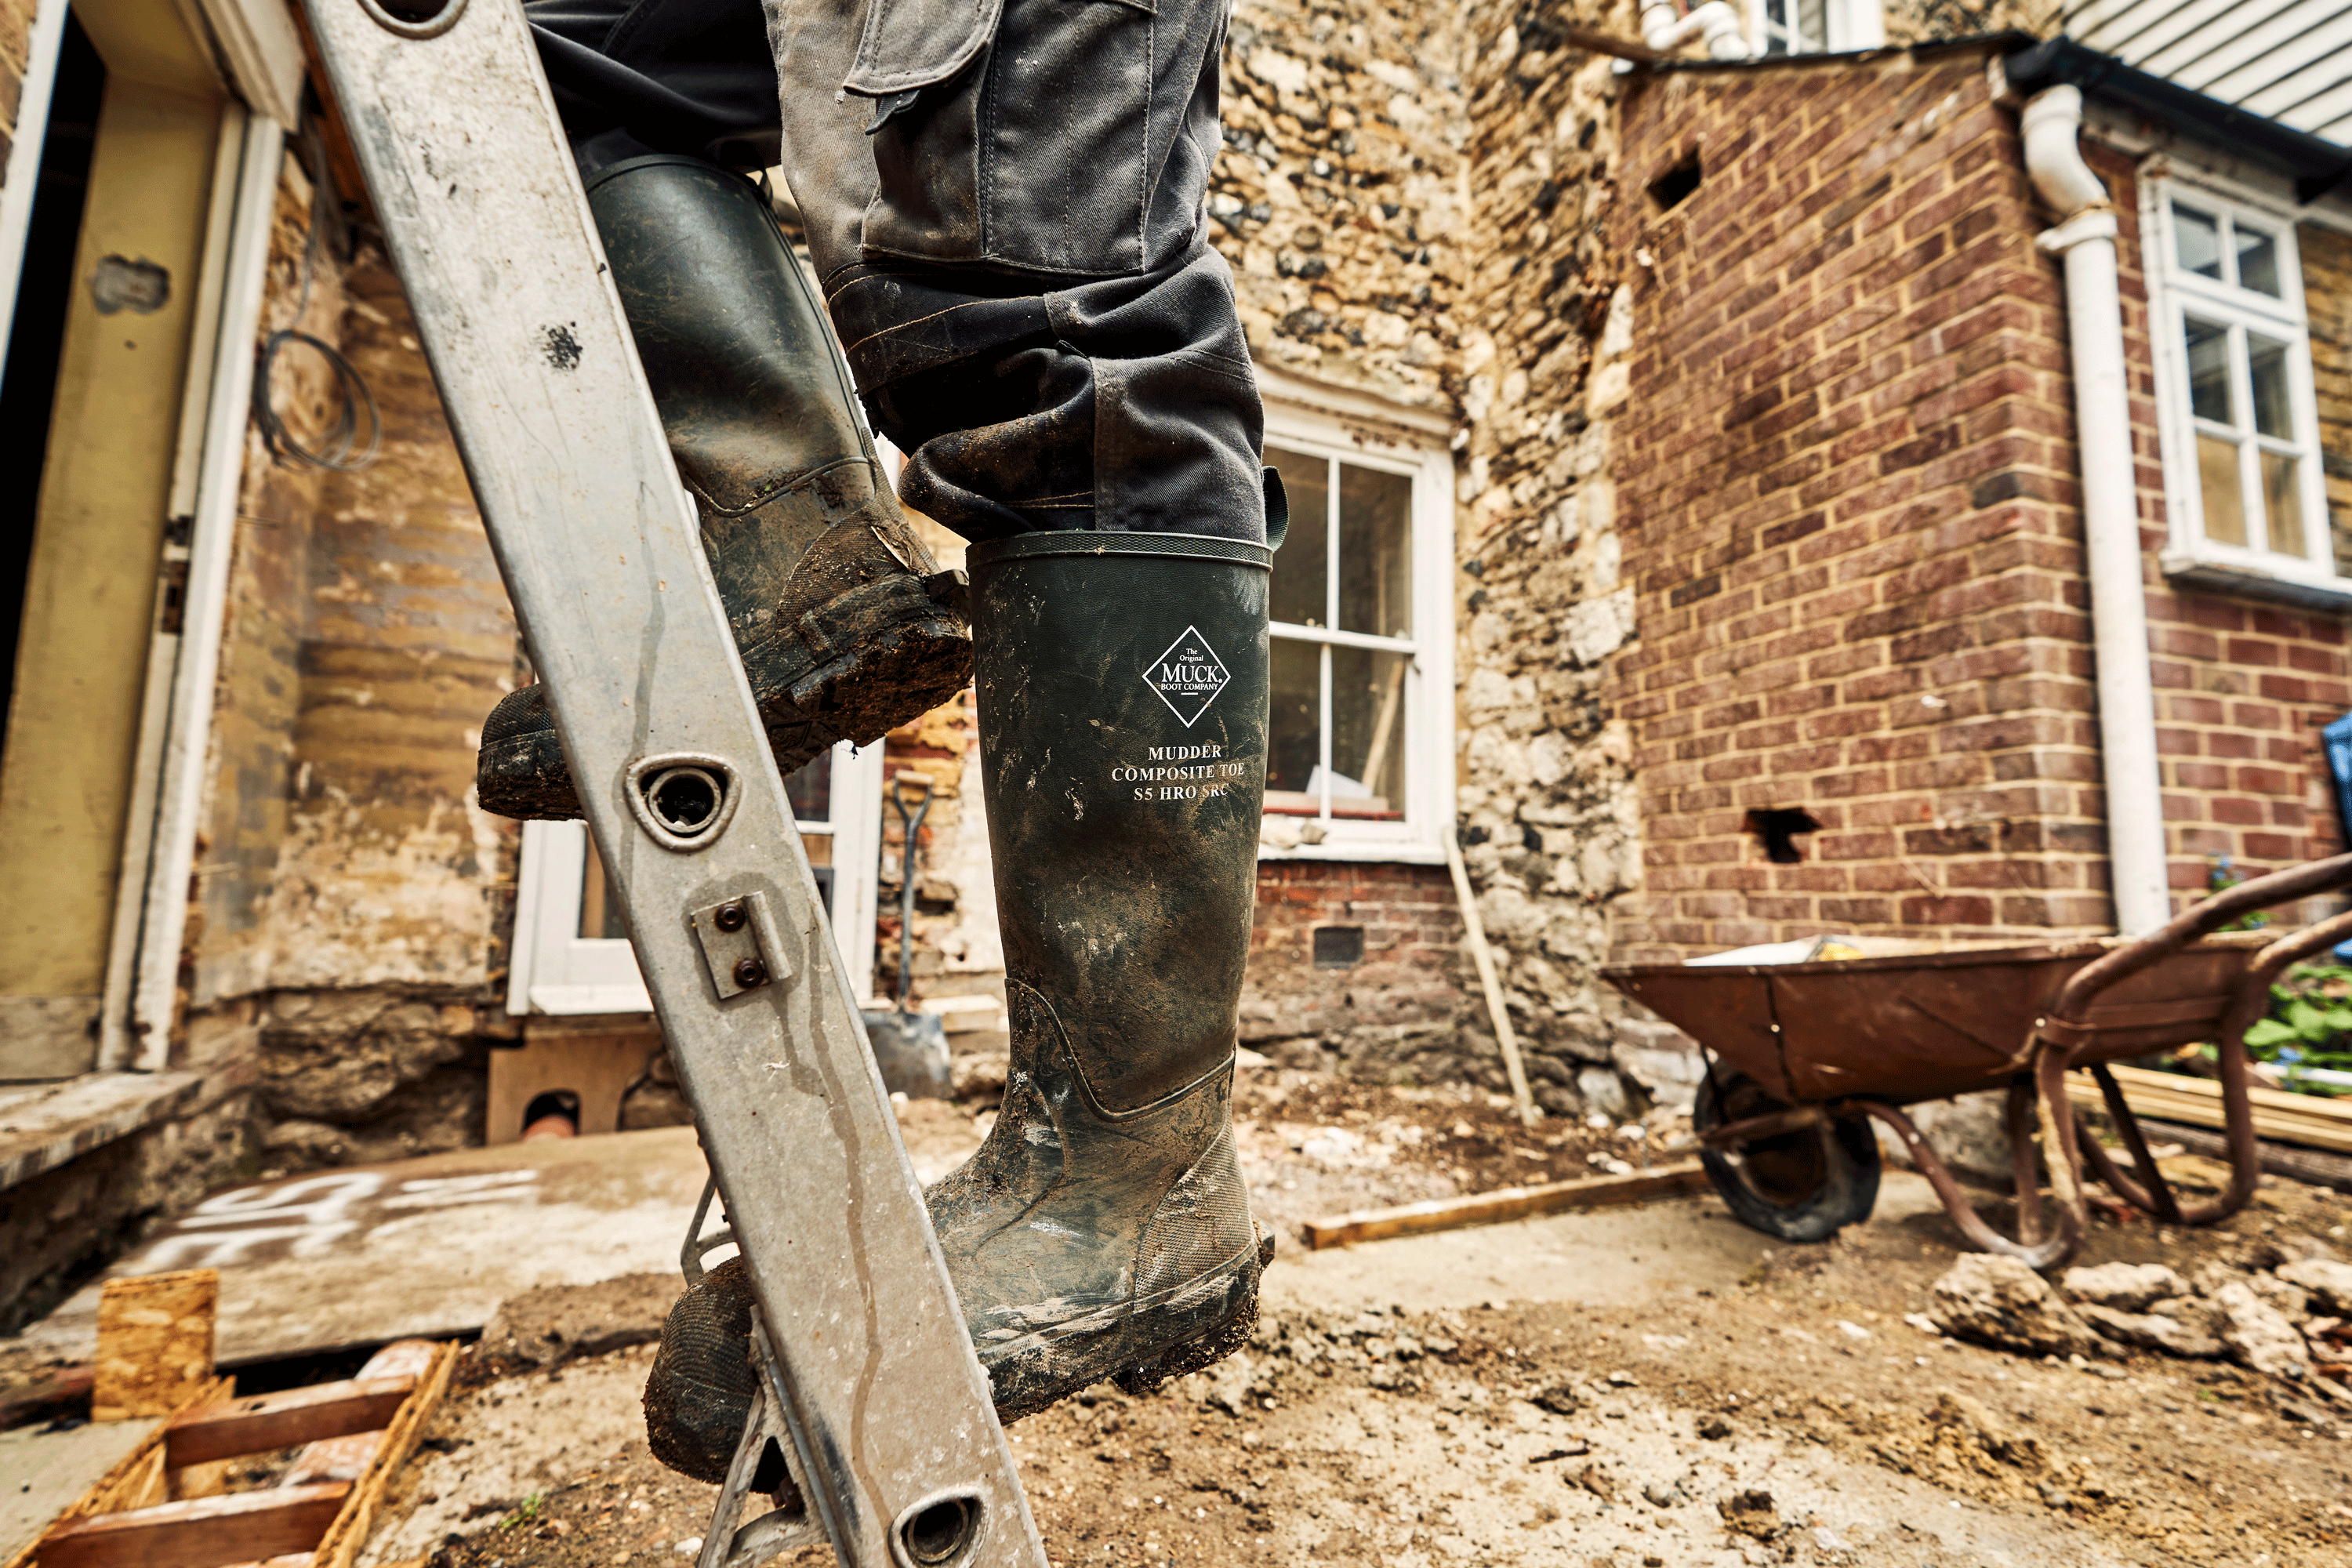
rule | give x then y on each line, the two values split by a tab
482	208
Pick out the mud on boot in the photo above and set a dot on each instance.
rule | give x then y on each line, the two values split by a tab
1102	1231
846	625
1086	1246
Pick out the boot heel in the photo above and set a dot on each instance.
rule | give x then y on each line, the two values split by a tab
1148	1375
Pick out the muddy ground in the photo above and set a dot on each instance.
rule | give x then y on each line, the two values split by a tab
1651	1388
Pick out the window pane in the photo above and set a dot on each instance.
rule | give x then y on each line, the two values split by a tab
1293	740
600	907
1812	25
2267	360
2258	263
2209	372
1776	27
811	790
1375	552
2198	237
2283	502
1368	733
2224	493
1301	582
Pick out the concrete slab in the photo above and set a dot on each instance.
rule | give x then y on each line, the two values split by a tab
426	1248
42	1126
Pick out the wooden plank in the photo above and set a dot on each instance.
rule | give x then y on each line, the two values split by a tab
281	1420
347	1459
42	1473
154	1342
136	1481
2279	1114
2314	1167
1509	1204
205	1533
340	1547
66	1383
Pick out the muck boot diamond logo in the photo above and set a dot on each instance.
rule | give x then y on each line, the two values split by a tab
1188	676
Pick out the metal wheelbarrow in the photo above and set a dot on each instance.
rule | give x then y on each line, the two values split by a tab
1801	1056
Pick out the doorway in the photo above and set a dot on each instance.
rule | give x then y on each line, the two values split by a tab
98	363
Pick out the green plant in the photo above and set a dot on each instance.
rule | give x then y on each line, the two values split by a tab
2309	1025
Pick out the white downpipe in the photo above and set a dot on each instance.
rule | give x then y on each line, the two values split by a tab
1716	21
2086	240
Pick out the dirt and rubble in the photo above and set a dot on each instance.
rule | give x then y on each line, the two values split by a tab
1805	1405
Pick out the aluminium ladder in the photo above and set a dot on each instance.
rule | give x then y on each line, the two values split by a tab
867	1382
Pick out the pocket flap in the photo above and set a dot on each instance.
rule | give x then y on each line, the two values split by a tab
910	44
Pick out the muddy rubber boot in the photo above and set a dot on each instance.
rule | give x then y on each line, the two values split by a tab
846	626
1102	1231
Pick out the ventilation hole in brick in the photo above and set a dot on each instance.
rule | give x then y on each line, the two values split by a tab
1670	189
1338	947
1779	830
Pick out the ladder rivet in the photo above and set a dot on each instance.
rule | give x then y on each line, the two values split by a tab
730	916
750	972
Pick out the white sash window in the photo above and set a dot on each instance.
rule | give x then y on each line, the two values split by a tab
2244	486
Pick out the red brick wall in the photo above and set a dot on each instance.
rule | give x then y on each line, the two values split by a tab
2242	684
1408	980
1847	487
1851	514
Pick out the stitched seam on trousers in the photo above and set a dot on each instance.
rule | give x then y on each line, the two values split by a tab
1195	355
984	178
1143	154
901	327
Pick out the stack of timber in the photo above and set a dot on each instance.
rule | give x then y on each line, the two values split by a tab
165	1504
2279	1116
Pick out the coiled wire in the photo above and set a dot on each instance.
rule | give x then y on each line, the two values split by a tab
335	453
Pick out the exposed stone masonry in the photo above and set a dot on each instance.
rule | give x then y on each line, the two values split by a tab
1337	196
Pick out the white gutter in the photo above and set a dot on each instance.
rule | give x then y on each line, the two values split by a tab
1664	30
2085	238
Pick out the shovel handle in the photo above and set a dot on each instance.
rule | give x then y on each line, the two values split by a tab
912	823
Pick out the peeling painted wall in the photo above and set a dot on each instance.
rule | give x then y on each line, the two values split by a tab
369	636
352	903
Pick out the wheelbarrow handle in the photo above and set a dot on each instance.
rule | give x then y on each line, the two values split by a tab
2199	919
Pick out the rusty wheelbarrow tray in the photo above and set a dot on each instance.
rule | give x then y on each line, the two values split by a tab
1809	1051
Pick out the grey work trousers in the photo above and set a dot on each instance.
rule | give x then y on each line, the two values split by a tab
1002	200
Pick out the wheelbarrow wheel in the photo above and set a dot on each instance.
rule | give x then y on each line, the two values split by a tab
1802	1186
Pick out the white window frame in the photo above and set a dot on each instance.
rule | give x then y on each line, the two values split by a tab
2174	295
555	971
1428	700
1848	25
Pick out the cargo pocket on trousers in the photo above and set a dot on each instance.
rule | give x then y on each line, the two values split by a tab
1036	156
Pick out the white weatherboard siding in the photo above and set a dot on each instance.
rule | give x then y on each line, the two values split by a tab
2288	60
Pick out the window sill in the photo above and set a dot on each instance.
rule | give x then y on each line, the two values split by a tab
2255	581
42	1126
1359	851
